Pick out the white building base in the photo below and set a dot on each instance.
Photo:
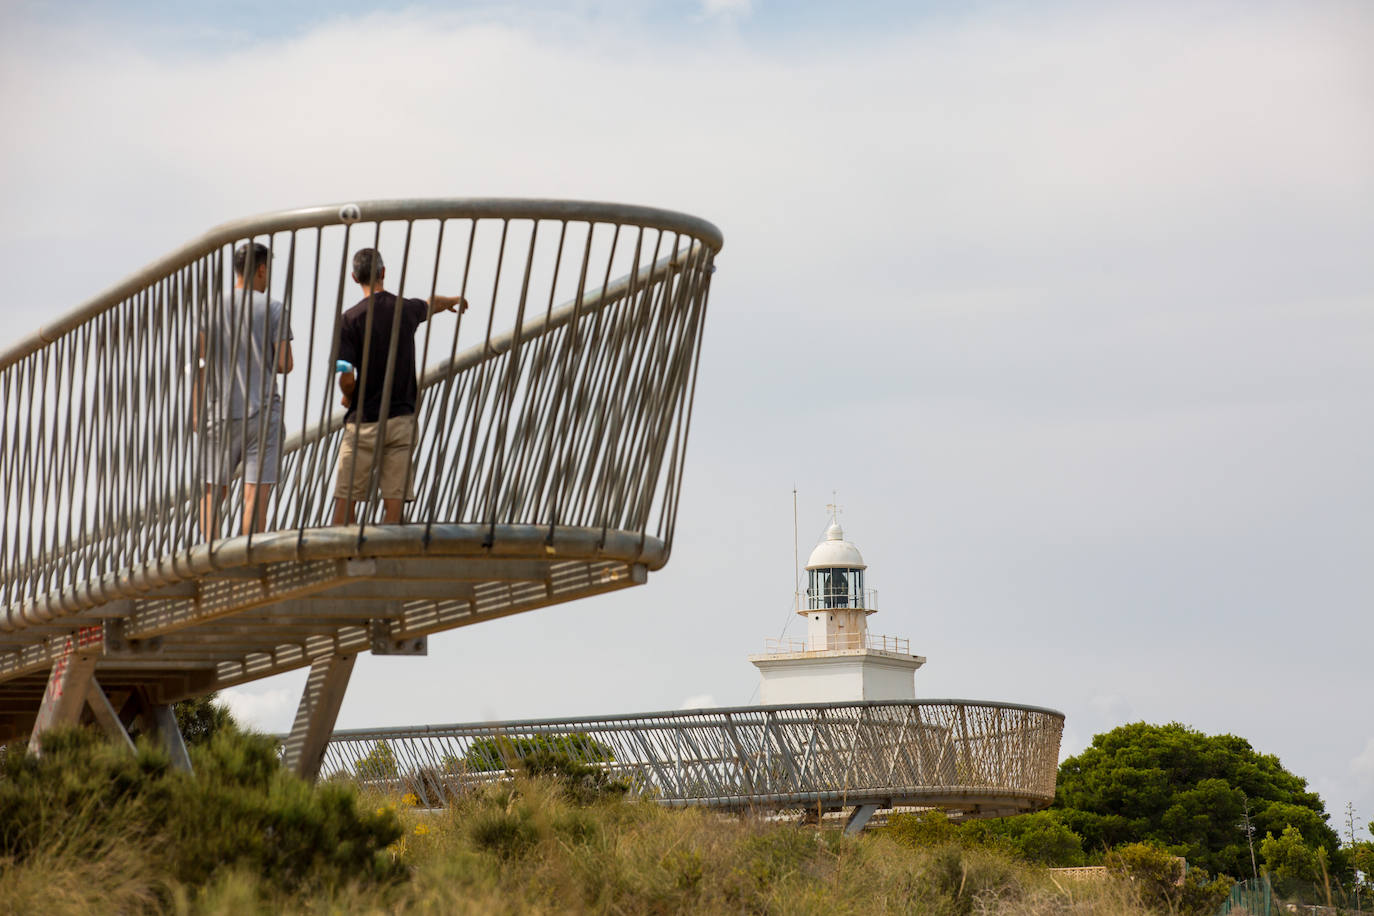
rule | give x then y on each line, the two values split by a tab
836	676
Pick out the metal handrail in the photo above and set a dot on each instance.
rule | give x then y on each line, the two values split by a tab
840	641
829	599
366	211
575	416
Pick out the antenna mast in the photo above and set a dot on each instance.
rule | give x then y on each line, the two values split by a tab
796	562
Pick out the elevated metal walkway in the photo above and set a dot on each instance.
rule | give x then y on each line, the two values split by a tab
553	423
974	759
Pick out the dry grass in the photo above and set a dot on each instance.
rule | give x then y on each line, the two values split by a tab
527	849
105	875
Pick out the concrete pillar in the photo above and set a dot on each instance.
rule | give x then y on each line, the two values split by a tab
164	720
65	696
315	717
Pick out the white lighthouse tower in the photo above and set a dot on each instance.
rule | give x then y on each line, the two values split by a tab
840	660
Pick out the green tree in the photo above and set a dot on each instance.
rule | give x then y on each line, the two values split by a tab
504	753
201	718
1362	856
1289	857
1176	787
378	763
1362	859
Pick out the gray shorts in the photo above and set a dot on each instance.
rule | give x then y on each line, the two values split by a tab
235	442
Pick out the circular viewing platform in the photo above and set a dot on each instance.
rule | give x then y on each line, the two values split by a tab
970	758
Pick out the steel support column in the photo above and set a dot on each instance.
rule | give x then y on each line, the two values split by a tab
324	692
164	721
106	716
858	818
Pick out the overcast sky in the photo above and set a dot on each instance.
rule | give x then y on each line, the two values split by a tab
1090	292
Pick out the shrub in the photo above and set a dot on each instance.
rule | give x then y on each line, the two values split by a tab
378	763
504	753
241	810
1164	881
1042	837
929	828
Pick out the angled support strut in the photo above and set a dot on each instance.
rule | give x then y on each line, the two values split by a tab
315	717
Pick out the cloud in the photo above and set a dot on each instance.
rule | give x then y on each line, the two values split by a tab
727	8
1112	710
270	710
1362	766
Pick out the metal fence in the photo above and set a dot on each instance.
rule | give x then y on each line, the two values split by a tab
979	759
1254	897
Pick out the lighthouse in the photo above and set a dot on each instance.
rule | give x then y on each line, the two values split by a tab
840	660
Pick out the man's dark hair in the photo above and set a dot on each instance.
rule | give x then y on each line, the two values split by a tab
261	255
367	266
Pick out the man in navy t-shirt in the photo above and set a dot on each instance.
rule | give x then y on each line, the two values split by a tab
365	341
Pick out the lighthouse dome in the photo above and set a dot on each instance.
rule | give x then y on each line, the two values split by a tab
835	551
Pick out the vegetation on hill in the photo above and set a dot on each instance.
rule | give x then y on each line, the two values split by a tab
1151	791
1159	878
89	828
119	832
1175	786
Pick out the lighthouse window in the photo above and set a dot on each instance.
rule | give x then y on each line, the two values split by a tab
835	588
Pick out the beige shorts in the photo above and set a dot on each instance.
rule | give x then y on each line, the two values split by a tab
357	453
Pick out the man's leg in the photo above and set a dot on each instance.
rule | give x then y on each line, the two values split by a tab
209	510
261	465
256	497
397	477
355	465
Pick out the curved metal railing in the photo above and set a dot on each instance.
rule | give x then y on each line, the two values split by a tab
974	757
827	599
560	401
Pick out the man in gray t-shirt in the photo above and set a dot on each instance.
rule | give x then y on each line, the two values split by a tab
248	345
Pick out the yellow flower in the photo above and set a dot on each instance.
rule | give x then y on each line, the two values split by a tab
421	829
410	800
